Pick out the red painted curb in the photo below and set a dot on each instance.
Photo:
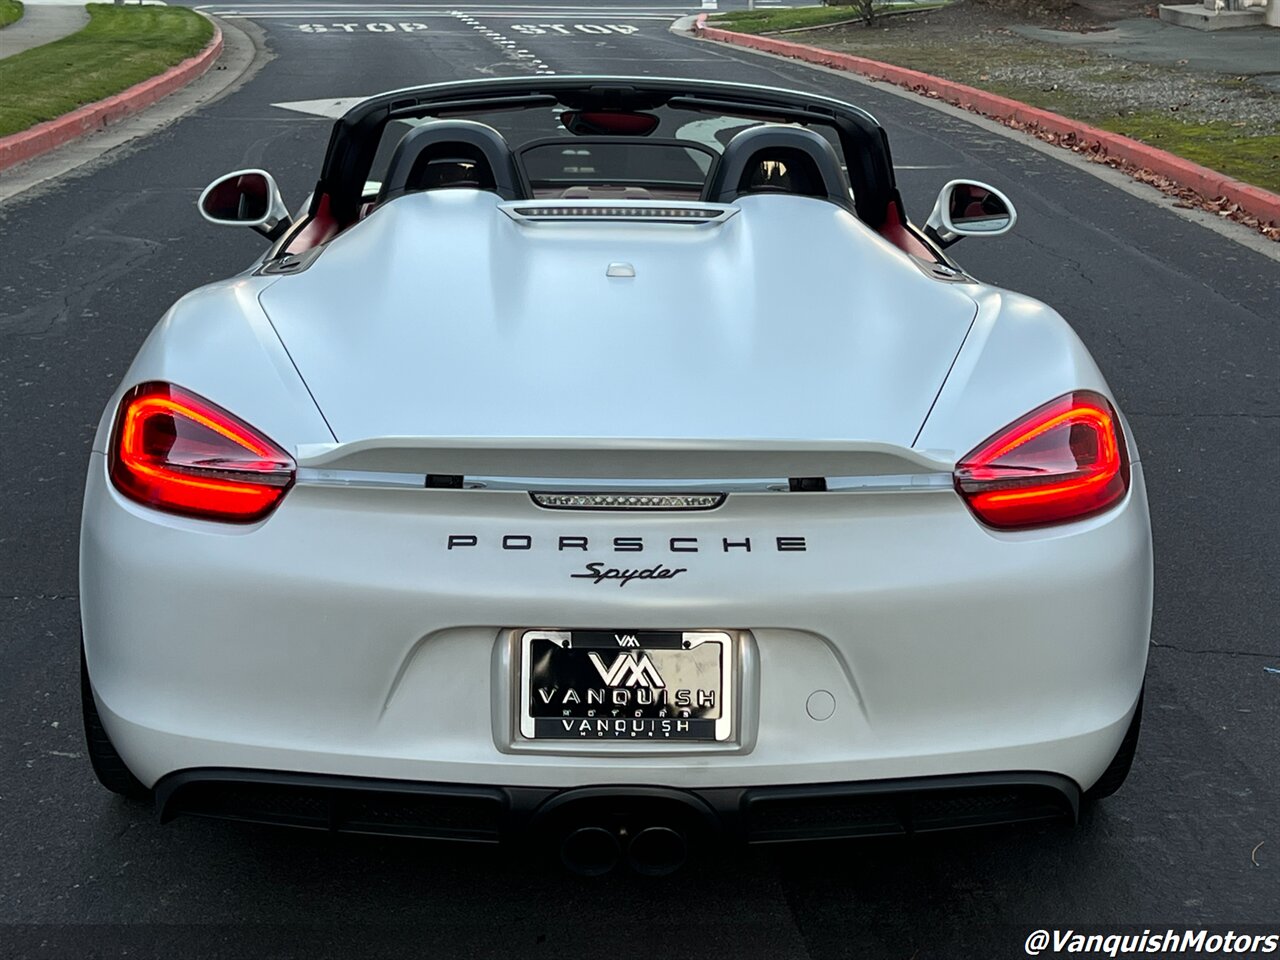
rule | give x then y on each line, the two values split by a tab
27	144
1208	183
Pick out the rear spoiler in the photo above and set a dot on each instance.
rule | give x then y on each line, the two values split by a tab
551	461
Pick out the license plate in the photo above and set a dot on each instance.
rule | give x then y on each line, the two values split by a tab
631	685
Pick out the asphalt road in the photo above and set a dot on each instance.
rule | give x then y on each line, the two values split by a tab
1182	320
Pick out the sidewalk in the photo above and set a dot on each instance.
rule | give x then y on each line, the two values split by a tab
40	24
1252	52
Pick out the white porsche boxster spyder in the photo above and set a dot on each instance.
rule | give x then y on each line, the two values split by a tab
609	461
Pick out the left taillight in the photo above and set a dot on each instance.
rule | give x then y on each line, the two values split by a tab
1063	461
175	451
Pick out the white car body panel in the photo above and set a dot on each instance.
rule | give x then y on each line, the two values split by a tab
1018	355
190	345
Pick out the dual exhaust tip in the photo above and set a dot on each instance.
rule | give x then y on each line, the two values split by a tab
654	851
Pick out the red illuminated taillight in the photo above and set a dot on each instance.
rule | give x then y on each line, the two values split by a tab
175	451
1063	461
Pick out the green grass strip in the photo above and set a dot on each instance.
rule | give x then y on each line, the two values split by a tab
10	12
1216	145
119	47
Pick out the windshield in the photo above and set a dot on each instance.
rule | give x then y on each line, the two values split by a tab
594	168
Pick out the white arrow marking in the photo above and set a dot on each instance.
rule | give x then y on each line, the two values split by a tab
332	109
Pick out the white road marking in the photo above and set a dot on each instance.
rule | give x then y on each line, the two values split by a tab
566	29
331	108
516	54
374	27
661	18
385	21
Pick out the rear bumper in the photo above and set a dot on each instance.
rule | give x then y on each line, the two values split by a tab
343	637
438	811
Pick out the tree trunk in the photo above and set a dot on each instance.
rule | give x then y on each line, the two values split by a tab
864	9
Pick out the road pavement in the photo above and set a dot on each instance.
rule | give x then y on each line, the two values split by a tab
1182	320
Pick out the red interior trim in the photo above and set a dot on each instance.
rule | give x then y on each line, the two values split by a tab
321	227
901	236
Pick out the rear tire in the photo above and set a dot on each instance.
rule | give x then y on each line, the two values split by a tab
107	765
1114	776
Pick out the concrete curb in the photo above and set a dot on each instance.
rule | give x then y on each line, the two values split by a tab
1210	184
28	144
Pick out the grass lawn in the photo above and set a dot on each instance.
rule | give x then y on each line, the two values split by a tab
120	46
771	21
10	12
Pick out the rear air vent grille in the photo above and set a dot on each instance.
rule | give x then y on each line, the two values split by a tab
341	805
779	814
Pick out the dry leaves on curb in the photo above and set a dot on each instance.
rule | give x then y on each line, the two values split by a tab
1186	198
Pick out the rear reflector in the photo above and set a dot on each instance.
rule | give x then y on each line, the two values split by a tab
1063	461
177	452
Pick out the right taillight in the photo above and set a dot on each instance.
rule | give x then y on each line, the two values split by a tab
175	451
1063	461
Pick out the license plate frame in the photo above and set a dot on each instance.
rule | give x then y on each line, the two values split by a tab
629	661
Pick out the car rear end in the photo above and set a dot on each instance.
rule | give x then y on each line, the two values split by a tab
635	613
384	633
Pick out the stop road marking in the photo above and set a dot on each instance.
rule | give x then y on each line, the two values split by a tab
409	27
532	29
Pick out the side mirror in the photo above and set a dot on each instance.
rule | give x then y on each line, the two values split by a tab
966	208
246	198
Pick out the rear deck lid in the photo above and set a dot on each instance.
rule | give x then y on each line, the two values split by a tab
441	316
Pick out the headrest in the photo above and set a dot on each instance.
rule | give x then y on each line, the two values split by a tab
452	153
774	158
